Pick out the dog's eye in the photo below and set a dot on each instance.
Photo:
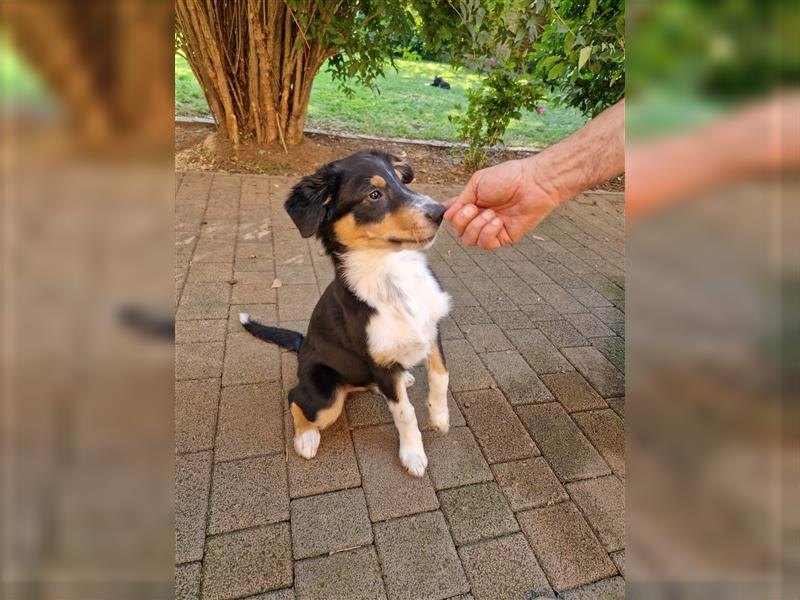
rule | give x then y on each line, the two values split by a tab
375	195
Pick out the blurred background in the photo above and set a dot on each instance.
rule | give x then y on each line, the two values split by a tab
87	192
712	160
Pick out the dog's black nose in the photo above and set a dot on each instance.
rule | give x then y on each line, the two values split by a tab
435	212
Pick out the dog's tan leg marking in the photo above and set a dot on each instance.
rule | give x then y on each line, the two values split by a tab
412	452
306	433
438	379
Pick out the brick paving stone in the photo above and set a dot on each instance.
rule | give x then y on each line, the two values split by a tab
390	490
288	371
213	251
284	594
602	502
503	569
333	468
250	421
613	348
589	325
562	443
617	405
487	338
195	414
330	523
619	560
529	483
557	297
562	333
607	589
498	430
295	302
201	272
604	286
254	293
247	562
541	355
589	297
449	330
212	330
573	391
454	459
517	289
559	531
618	328
466	369
476	512
264	266
192	480
419	559
253	250
541	312
365	409
609	315
204	301
248	492
516	379
530	273
467	316
187	581
294	275
250	360
354	575
493	299
198	360
606	431
603	376
511	319
493	265
460	295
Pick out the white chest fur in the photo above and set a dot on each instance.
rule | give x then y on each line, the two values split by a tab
408	302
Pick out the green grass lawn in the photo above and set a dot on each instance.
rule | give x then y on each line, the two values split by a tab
406	106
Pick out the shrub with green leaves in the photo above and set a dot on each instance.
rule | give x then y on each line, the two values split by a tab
566	51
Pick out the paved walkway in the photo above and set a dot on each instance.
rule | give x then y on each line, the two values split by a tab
523	498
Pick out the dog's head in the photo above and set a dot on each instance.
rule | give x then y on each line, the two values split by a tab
361	202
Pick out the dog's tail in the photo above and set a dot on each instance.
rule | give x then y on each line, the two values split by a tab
285	338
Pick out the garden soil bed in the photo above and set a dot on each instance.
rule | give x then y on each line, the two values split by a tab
199	148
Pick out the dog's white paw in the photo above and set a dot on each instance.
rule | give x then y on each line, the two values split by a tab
408	379
440	421
414	460
307	443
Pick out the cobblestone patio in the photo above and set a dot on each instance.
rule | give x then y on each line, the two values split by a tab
525	496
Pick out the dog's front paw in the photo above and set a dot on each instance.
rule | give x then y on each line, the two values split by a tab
307	443
414	460
440	421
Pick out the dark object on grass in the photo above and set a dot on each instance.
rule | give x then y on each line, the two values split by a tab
440	83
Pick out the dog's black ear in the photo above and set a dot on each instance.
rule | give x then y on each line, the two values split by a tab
403	170
309	201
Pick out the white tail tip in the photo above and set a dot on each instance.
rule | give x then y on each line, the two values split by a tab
244	318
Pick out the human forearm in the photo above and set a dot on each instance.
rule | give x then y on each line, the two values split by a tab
588	157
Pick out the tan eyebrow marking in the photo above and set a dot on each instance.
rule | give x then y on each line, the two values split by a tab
378	181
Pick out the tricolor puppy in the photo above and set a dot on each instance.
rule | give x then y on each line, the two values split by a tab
379	317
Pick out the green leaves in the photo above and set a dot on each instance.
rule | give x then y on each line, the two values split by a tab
584	55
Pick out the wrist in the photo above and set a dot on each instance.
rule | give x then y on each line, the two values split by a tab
543	179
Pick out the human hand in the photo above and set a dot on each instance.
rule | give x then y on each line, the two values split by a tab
500	204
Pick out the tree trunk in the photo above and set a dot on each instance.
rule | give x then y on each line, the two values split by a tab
254	63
